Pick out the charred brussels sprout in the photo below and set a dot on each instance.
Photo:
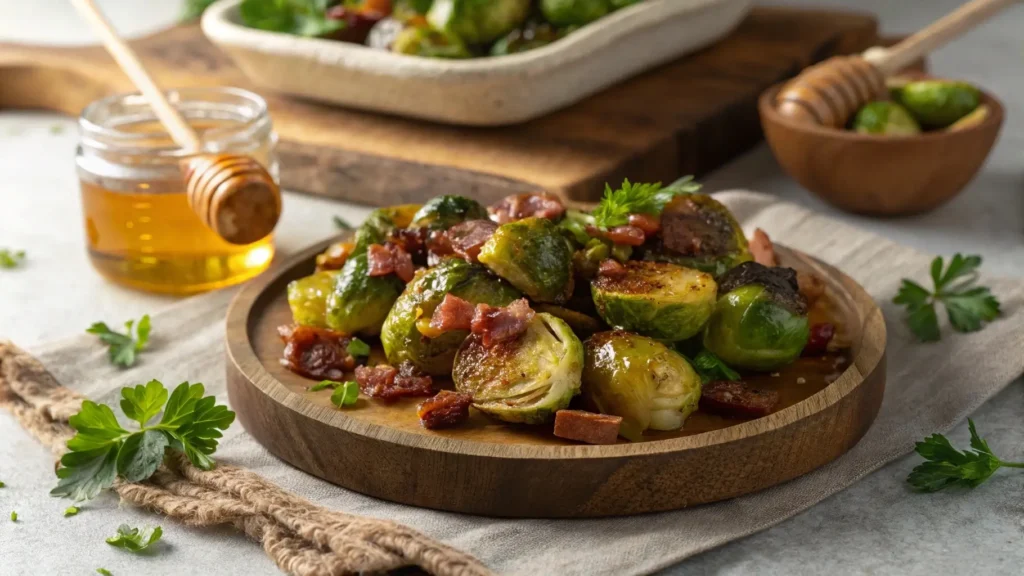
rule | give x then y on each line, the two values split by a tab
640	379
760	319
938	103
478	21
443	212
528	37
400	336
524	380
887	118
359	303
381	223
429	43
656	299
697	231
534	257
574	12
307	298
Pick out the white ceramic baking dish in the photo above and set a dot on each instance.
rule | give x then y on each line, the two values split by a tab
483	91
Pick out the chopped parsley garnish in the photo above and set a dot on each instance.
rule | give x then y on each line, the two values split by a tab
71	511
323	385
711	368
11	258
946	466
357	347
341	224
104	572
14	516
124	348
616	205
346	394
968	306
134	540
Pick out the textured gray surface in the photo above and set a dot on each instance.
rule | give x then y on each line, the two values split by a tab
875	527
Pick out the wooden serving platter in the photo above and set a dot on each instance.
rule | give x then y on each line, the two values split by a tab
687	117
496	469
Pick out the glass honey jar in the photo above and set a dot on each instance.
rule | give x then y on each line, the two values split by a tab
139	227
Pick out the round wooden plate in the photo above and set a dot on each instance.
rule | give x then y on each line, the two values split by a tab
496	469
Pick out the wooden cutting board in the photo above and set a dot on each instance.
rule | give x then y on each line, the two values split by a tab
687	117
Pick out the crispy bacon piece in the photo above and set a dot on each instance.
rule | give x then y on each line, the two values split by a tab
519	206
496	325
612	269
453	313
737	400
649	224
412	240
358	22
438	246
385	382
467	238
335	256
810	286
445	410
389	259
629	235
821	335
587	426
315	352
762	248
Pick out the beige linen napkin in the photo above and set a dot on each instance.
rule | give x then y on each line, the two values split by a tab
930	388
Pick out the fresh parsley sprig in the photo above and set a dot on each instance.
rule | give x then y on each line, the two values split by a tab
124	348
133	539
616	205
102	450
11	258
968	306
946	466
298	17
711	368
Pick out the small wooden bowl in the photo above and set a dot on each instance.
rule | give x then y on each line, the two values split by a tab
879	175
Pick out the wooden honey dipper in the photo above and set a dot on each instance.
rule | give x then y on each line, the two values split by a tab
831	92
233	194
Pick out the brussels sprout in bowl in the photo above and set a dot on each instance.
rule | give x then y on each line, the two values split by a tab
524	380
656	299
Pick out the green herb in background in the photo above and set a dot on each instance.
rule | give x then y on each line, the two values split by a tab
341	224
357	347
2	484
102	450
193	9
616	205
946	466
71	511
56	129
345	395
104	572
323	385
14	516
711	368
969	307
11	258
123	347
299	17
134	540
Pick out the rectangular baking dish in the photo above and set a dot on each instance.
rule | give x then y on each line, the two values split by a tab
483	91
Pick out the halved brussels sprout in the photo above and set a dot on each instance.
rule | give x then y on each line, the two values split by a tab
582	324
534	257
656	299
429	43
640	379
524	380
885	118
760	319
443	212
307	297
478	22
938	103
400	336
381	223
359	303
699	232
574	12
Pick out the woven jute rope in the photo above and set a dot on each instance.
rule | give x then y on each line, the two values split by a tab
300	537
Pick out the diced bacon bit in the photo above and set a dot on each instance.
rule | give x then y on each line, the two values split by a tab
385	382
467	238
587	426
496	325
612	269
646	222
821	336
628	235
453	313
389	259
335	256
315	352
412	240
438	246
762	249
737	400
519	206
810	286
445	410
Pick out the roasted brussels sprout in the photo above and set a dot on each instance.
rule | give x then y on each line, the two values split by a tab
524	380
531	36
429	43
582	324
534	257
698	232
400	336
938	103
640	379
887	118
443	212
307	297
359	303
406	9
477	22
760	319
574	12
381	223
657	299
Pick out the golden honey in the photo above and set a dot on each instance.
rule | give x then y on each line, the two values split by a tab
140	230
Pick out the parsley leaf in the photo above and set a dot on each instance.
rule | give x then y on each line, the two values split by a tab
2	484
11	258
104	572
357	347
946	466
299	17
616	205
193	9
323	385
14	516
134	540
968	307
71	511
341	224
346	394
123	347
711	368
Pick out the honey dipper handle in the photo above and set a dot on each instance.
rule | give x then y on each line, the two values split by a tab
949	27
176	125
